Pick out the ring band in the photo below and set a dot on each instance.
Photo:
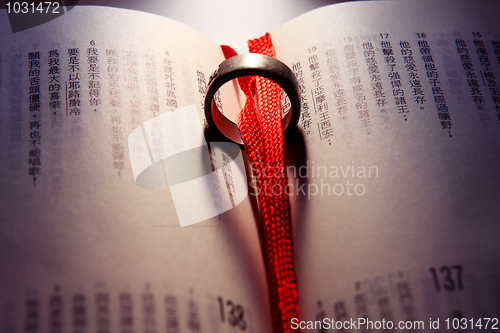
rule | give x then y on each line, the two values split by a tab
245	65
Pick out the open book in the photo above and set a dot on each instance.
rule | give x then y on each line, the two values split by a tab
393	172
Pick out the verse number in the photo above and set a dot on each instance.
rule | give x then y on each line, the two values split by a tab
25	7
384	36
477	34
234	312
448	278
421	35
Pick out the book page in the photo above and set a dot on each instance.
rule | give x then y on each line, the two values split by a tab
88	102
394	174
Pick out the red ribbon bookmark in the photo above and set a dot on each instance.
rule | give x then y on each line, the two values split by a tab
262	135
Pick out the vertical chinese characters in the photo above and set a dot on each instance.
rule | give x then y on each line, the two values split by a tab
32	315
202	87
319	97
115	104
73	83
486	71
168	74
154	105
435	84
79	313
56	310
103	312
132	79
54	80
357	86
411	70
470	73
35	139
374	73
335	78
93	76
395	78
305	115
496	51
149	312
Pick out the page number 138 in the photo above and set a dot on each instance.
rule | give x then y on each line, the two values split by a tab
234	313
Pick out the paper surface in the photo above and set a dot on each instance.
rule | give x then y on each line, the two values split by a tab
396	171
82	246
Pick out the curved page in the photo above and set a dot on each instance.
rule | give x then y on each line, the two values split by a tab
88	102
394	175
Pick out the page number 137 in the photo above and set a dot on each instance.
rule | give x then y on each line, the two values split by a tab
448	278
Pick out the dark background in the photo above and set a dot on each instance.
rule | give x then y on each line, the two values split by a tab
230	22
